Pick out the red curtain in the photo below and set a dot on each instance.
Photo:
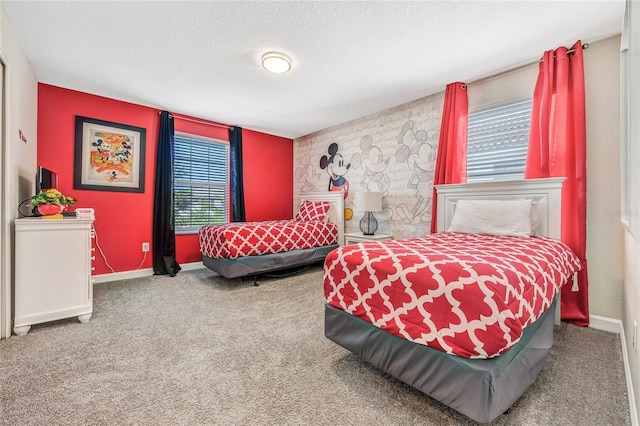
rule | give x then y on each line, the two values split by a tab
557	148
451	160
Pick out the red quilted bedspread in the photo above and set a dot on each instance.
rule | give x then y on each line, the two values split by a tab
463	294
239	239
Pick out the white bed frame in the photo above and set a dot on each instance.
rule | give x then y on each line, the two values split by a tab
546	196
336	212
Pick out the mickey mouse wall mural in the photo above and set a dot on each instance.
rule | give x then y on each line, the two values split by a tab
336	167
420	156
307	174
373	163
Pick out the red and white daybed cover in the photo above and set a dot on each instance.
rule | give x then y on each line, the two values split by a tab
464	294
240	239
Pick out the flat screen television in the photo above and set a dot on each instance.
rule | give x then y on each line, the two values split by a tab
45	179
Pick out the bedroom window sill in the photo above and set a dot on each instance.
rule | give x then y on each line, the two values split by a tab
187	231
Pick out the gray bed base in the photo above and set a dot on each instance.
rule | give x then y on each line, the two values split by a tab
255	265
481	389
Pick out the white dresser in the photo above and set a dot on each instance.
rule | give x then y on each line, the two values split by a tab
52	271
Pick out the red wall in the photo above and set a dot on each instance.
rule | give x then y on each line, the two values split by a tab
268	169
124	220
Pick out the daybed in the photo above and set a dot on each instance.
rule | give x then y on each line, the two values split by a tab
465	318
241	249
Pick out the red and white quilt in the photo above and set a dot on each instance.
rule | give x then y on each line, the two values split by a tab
464	294
239	239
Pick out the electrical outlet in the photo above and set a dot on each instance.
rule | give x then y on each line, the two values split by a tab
145	247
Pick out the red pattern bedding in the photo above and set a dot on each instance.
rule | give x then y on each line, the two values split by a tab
233	240
463	294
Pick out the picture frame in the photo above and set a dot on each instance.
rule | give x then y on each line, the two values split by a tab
108	156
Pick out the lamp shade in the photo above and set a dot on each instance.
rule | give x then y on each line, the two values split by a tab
369	201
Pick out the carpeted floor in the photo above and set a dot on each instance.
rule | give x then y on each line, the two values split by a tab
199	349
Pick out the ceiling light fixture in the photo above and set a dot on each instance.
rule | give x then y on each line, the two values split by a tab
276	62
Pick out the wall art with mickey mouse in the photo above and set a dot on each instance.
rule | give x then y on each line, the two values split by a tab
392	152
336	168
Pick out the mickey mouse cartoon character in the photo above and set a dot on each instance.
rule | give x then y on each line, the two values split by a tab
307	174
336	167
373	164
420	156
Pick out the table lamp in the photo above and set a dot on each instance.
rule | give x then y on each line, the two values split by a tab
369	202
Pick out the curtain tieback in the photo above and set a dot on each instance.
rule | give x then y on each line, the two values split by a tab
575	287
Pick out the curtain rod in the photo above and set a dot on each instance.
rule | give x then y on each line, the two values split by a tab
519	67
585	46
193	120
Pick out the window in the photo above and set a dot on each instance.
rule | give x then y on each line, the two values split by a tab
497	142
201	185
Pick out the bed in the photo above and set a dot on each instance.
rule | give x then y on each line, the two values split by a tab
241	249
466	318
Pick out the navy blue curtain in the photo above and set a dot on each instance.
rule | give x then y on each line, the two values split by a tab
164	235
237	186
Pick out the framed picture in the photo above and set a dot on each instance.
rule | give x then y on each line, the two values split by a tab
108	156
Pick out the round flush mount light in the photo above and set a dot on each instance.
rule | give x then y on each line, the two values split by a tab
276	62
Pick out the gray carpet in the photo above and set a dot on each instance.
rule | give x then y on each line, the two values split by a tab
199	349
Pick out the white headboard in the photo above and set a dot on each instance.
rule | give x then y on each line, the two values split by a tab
336	212
546	195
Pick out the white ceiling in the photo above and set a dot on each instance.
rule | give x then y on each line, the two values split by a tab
350	58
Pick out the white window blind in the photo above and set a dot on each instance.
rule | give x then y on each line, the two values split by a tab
497	142
201	183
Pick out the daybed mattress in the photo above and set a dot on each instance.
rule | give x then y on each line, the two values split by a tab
241	239
463	294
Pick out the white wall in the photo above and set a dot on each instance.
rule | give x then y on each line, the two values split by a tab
631	287
505	88
22	109
631	308
604	229
21	105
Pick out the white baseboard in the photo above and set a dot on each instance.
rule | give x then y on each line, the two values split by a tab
192	266
615	326
605	323
118	276
627	374
140	273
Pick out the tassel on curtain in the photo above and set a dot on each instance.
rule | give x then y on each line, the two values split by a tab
451	160
557	148
237	185
164	236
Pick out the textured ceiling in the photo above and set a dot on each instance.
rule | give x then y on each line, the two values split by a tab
350	58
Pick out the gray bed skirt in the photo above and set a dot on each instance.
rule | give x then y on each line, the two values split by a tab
481	389
254	265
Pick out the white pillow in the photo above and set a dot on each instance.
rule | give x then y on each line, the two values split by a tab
492	217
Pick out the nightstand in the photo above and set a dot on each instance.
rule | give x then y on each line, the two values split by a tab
359	237
53	271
